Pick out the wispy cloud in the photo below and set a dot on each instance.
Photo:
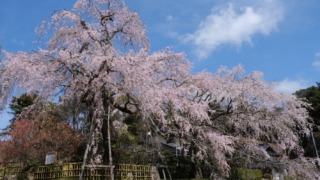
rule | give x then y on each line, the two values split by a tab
18	42
169	18
316	64
290	86
235	24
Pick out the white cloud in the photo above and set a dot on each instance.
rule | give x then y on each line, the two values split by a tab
290	86
316	64
18	42
317	54
235	24
169	18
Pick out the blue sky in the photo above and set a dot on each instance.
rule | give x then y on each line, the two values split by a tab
278	37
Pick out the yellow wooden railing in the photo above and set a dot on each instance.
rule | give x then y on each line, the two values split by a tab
10	169
2	172
70	171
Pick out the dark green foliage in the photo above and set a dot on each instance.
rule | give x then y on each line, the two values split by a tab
79	152
267	176
18	104
24	173
290	178
179	167
308	146
245	174
134	125
22	176
129	142
74	112
312	96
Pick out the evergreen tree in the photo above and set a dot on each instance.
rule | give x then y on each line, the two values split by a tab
312	96
20	103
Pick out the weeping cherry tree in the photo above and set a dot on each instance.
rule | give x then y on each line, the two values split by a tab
99	54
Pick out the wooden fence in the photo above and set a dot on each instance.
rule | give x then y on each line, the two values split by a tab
71	171
10	169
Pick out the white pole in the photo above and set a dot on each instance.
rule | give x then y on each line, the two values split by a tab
314	143
109	145
86	152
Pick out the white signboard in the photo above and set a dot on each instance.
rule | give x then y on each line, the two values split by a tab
50	157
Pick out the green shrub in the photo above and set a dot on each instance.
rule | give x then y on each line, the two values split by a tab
289	178
267	176
245	174
22	176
